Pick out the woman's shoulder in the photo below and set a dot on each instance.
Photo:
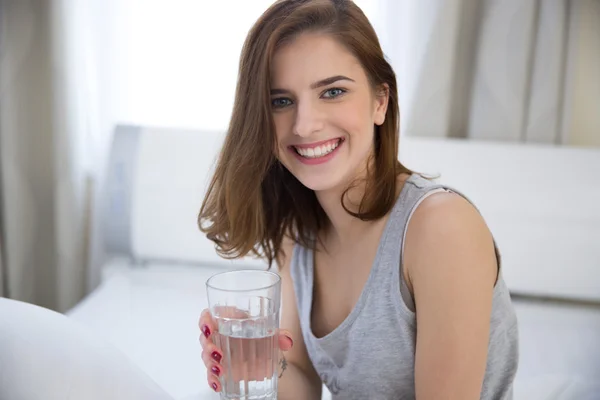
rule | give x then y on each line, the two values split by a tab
445	217
445	234
437	203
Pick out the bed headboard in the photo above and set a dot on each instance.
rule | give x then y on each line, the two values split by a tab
541	202
155	186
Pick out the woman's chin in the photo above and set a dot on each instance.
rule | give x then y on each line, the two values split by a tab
319	184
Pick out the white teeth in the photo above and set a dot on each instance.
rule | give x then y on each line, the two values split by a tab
319	151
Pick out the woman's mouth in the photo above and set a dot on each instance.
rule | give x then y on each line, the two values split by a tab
317	153
319	150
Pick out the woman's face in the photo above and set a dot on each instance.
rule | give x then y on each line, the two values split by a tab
324	110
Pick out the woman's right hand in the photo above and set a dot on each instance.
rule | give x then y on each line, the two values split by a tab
212	355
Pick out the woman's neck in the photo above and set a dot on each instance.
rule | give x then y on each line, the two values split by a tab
342	227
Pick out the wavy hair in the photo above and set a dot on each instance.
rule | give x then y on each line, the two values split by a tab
253	201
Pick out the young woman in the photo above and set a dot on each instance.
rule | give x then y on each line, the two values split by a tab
391	283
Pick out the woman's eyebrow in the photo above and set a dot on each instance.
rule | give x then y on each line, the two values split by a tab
329	81
318	84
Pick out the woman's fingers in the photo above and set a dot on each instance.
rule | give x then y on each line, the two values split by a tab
230	312
207	327
285	340
212	377
211	354
213	369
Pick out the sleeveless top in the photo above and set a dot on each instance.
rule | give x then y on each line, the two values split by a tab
371	354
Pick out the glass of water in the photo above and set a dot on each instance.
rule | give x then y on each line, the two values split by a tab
245	307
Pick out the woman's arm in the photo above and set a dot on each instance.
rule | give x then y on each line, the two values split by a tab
451	268
299	380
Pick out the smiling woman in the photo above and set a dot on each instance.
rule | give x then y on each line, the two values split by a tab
309	176
329	81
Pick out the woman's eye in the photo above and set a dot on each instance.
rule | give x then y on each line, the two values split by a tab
280	102
333	92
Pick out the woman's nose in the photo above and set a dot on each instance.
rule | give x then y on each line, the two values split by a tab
309	120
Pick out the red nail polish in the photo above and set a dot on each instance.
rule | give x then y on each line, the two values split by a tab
216	356
216	370
214	386
206	330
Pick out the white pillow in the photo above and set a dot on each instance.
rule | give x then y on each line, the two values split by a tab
45	355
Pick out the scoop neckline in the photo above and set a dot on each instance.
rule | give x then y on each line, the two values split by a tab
366	290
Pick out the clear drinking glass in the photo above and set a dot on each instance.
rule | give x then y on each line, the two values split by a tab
245	306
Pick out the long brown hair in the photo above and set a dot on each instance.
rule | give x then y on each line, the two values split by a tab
253	201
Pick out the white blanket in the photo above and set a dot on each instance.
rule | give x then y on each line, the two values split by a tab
136	337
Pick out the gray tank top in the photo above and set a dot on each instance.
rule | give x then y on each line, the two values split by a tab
381	329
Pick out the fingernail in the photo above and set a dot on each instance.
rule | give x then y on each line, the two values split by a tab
290	339
216	356
214	386
216	370
206	330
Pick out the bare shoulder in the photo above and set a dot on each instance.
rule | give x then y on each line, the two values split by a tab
447	211
448	235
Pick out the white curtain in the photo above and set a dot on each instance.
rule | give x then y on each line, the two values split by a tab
29	129
51	113
581	124
518	70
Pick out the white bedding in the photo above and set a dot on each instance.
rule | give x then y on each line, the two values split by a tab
151	312
151	315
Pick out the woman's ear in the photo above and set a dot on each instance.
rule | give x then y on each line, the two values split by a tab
382	96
